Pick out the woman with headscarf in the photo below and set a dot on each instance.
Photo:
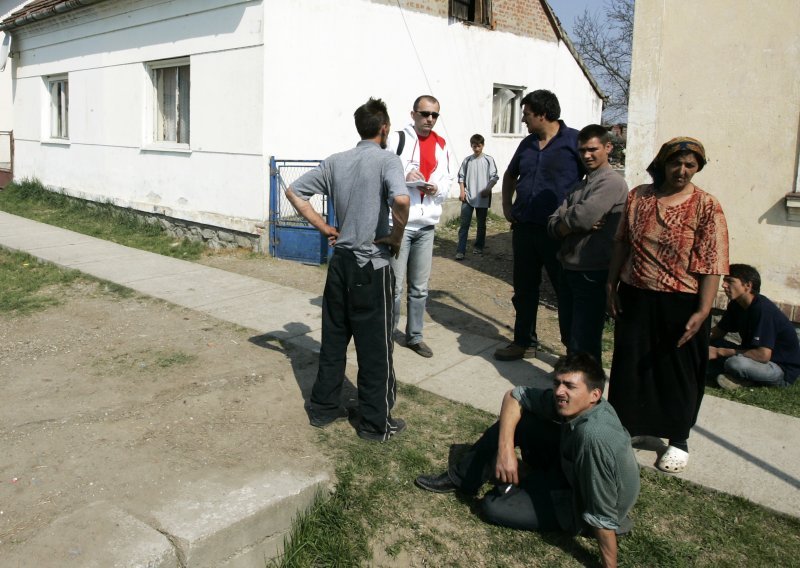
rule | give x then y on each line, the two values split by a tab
670	251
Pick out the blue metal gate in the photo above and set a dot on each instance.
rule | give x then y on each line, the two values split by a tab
290	236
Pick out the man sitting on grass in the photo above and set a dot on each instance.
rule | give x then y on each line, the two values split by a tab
769	354
582	475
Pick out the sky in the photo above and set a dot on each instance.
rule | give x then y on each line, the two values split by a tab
567	10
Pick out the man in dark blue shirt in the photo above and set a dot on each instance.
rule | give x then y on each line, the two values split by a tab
543	170
769	354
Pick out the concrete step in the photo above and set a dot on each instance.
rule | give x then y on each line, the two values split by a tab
206	524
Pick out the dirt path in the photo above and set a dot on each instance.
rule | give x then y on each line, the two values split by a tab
473	295
131	400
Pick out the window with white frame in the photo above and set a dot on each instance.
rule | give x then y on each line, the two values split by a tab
170	100
506	114
58	88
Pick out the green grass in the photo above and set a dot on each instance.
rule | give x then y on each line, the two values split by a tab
376	516
783	400
27	284
166	359
29	198
492	219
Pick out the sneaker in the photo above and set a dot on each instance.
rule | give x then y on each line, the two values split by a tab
726	382
320	420
396	425
459	256
477	251
512	352
421	349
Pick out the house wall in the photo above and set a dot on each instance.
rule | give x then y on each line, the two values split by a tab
222	181
733	85
282	79
398	53
6	98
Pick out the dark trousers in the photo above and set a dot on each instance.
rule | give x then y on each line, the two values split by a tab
533	250
357	303
531	505
656	387
466	221
582	310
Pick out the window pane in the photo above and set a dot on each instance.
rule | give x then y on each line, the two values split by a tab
183	104
502	110
59	109
172	104
166	86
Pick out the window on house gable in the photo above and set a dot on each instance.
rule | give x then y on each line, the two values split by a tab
506	114
474	11
58	88
171	101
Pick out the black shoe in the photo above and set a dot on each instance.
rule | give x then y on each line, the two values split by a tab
320	420
421	349
436	483
396	425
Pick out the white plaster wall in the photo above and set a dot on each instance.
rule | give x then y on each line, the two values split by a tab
361	49
6	90
222	181
740	95
282	79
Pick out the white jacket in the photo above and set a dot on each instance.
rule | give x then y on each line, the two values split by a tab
424	212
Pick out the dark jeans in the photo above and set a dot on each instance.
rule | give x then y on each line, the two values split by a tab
531	505
357	303
466	220
582	310
533	250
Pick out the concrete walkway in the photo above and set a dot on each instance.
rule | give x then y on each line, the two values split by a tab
737	449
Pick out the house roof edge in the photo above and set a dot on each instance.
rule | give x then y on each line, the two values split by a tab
562	35
24	17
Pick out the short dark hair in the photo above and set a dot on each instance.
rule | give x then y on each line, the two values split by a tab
747	274
543	102
370	117
430	98
594	131
476	139
586	365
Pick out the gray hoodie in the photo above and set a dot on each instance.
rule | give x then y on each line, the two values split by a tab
600	195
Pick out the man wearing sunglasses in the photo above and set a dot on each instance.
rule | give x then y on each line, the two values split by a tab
426	163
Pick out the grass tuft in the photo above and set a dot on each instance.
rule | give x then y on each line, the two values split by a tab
29	198
24	282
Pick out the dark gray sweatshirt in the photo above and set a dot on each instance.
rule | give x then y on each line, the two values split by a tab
600	195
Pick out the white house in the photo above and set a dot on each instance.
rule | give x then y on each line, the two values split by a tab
174	107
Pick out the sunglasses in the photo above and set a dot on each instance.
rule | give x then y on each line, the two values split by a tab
427	113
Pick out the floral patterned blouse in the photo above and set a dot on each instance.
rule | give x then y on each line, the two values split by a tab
671	246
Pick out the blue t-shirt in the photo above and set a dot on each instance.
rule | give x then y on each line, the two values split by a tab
544	177
763	324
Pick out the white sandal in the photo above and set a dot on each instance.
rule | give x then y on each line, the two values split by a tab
673	460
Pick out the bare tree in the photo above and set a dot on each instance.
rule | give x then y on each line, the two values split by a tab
604	40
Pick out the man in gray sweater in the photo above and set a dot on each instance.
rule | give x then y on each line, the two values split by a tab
585	223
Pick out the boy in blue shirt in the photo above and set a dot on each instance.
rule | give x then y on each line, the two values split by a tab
769	354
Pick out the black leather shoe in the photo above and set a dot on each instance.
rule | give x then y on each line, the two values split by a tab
436	483
318	420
